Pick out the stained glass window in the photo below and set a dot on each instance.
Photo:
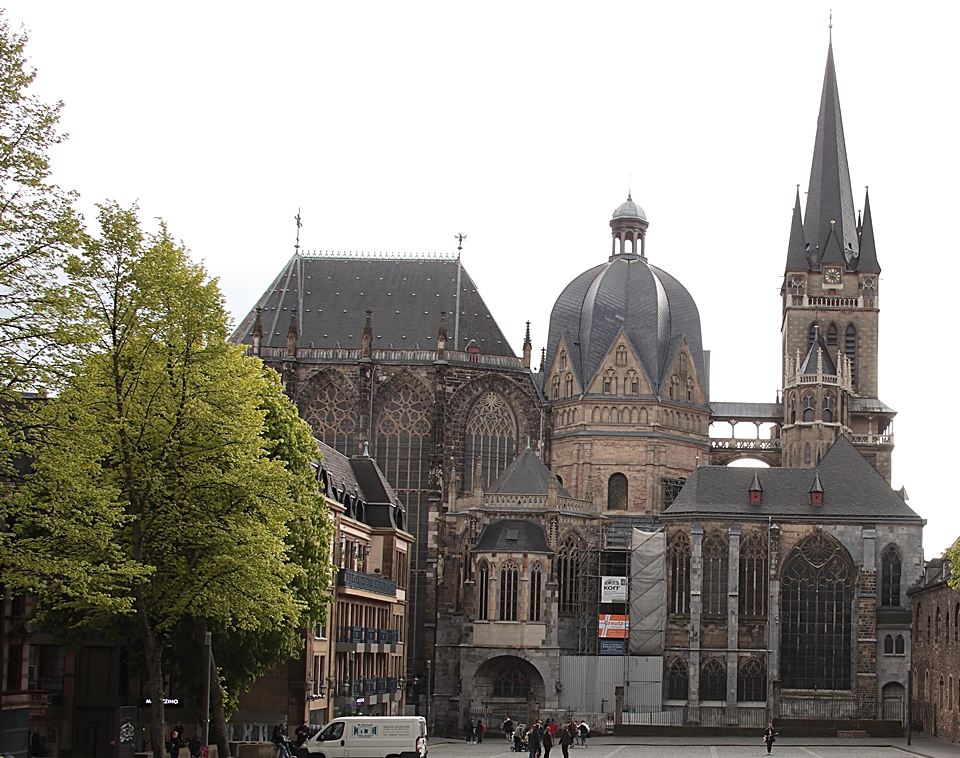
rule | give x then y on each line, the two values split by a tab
713	680
331	413
715	566
509	591
491	436
678	556
752	681
568	570
753	575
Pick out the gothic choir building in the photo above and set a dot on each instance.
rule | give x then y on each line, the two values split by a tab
526	489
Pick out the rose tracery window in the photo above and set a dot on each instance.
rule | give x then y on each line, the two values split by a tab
752	681
491	436
332	414
816	638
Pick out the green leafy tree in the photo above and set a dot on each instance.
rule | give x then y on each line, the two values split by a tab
37	228
172	483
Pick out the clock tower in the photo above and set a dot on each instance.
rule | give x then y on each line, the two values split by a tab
831	310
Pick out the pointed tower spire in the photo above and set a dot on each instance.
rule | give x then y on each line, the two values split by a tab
527	348
829	195
868	244
796	250
543	359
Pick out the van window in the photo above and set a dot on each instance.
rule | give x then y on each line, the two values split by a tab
333	732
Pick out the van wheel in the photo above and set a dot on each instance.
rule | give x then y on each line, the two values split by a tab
393	755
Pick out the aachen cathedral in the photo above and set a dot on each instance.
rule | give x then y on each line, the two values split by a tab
784	588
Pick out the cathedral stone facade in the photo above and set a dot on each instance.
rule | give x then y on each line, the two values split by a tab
522	487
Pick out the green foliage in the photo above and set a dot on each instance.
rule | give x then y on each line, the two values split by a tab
37	228
173	481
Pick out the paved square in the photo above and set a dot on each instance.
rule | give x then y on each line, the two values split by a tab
496	750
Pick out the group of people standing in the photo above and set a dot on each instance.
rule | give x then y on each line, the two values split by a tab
541	738
475	730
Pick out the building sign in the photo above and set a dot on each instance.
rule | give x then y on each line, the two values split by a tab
613	589
364	730
169	702
613	626
613	647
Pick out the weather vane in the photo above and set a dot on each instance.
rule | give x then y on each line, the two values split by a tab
459	238
299	226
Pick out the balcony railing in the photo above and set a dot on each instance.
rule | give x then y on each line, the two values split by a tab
366	582
360	634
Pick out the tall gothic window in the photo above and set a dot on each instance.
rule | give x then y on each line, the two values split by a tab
809	407
563	360
536	593
631	383
752	681
509	591
568	570
332	414
491	436
890	577
483	591
675	387
850	349
816	637
617	492
403	448
713	680
678	680
715	565
678	556
828	408
556	387
568	386
753	575
621	355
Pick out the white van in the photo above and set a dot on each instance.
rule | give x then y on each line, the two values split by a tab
369	737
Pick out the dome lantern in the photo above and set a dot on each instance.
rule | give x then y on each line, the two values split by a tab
629	230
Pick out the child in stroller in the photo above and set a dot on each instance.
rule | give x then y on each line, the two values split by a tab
520	744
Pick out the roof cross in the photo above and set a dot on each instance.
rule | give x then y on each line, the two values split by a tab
296	218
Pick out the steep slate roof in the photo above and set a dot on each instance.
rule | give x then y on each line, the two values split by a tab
625	293
331	296
361	477
528	537
526	475
818	352
830	233
852	491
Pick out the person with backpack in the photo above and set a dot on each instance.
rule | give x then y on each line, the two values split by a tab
481	728
584	730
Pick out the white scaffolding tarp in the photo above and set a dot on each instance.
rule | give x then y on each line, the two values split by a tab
648	592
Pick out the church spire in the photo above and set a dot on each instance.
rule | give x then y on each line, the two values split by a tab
796	250
868	244
830	206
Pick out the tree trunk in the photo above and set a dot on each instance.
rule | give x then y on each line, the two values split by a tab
218	717
154	668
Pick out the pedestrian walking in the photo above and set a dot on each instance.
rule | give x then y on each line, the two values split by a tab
547	741
572	726
174	744
566	739
584	731
535	740
481	728
769	737
508	728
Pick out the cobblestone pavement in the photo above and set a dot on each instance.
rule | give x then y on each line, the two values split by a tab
697	748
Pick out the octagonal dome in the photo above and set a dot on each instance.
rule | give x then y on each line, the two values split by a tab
655	311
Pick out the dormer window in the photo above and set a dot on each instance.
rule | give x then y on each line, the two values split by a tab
756	491
816	491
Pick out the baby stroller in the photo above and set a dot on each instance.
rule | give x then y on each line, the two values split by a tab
520	744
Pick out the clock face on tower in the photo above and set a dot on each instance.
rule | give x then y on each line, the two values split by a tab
831	275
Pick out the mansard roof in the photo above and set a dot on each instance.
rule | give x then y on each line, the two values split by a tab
526	475
361	479
853	491
513	536
331	295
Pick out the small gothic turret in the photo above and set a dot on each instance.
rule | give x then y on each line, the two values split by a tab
442	337
543	359
292	334
816	491
257	333
527	348
367	336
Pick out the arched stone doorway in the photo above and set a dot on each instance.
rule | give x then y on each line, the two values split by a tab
508	685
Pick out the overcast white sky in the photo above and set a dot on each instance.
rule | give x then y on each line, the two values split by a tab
394	126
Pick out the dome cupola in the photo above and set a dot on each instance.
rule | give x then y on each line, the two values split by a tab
629	229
